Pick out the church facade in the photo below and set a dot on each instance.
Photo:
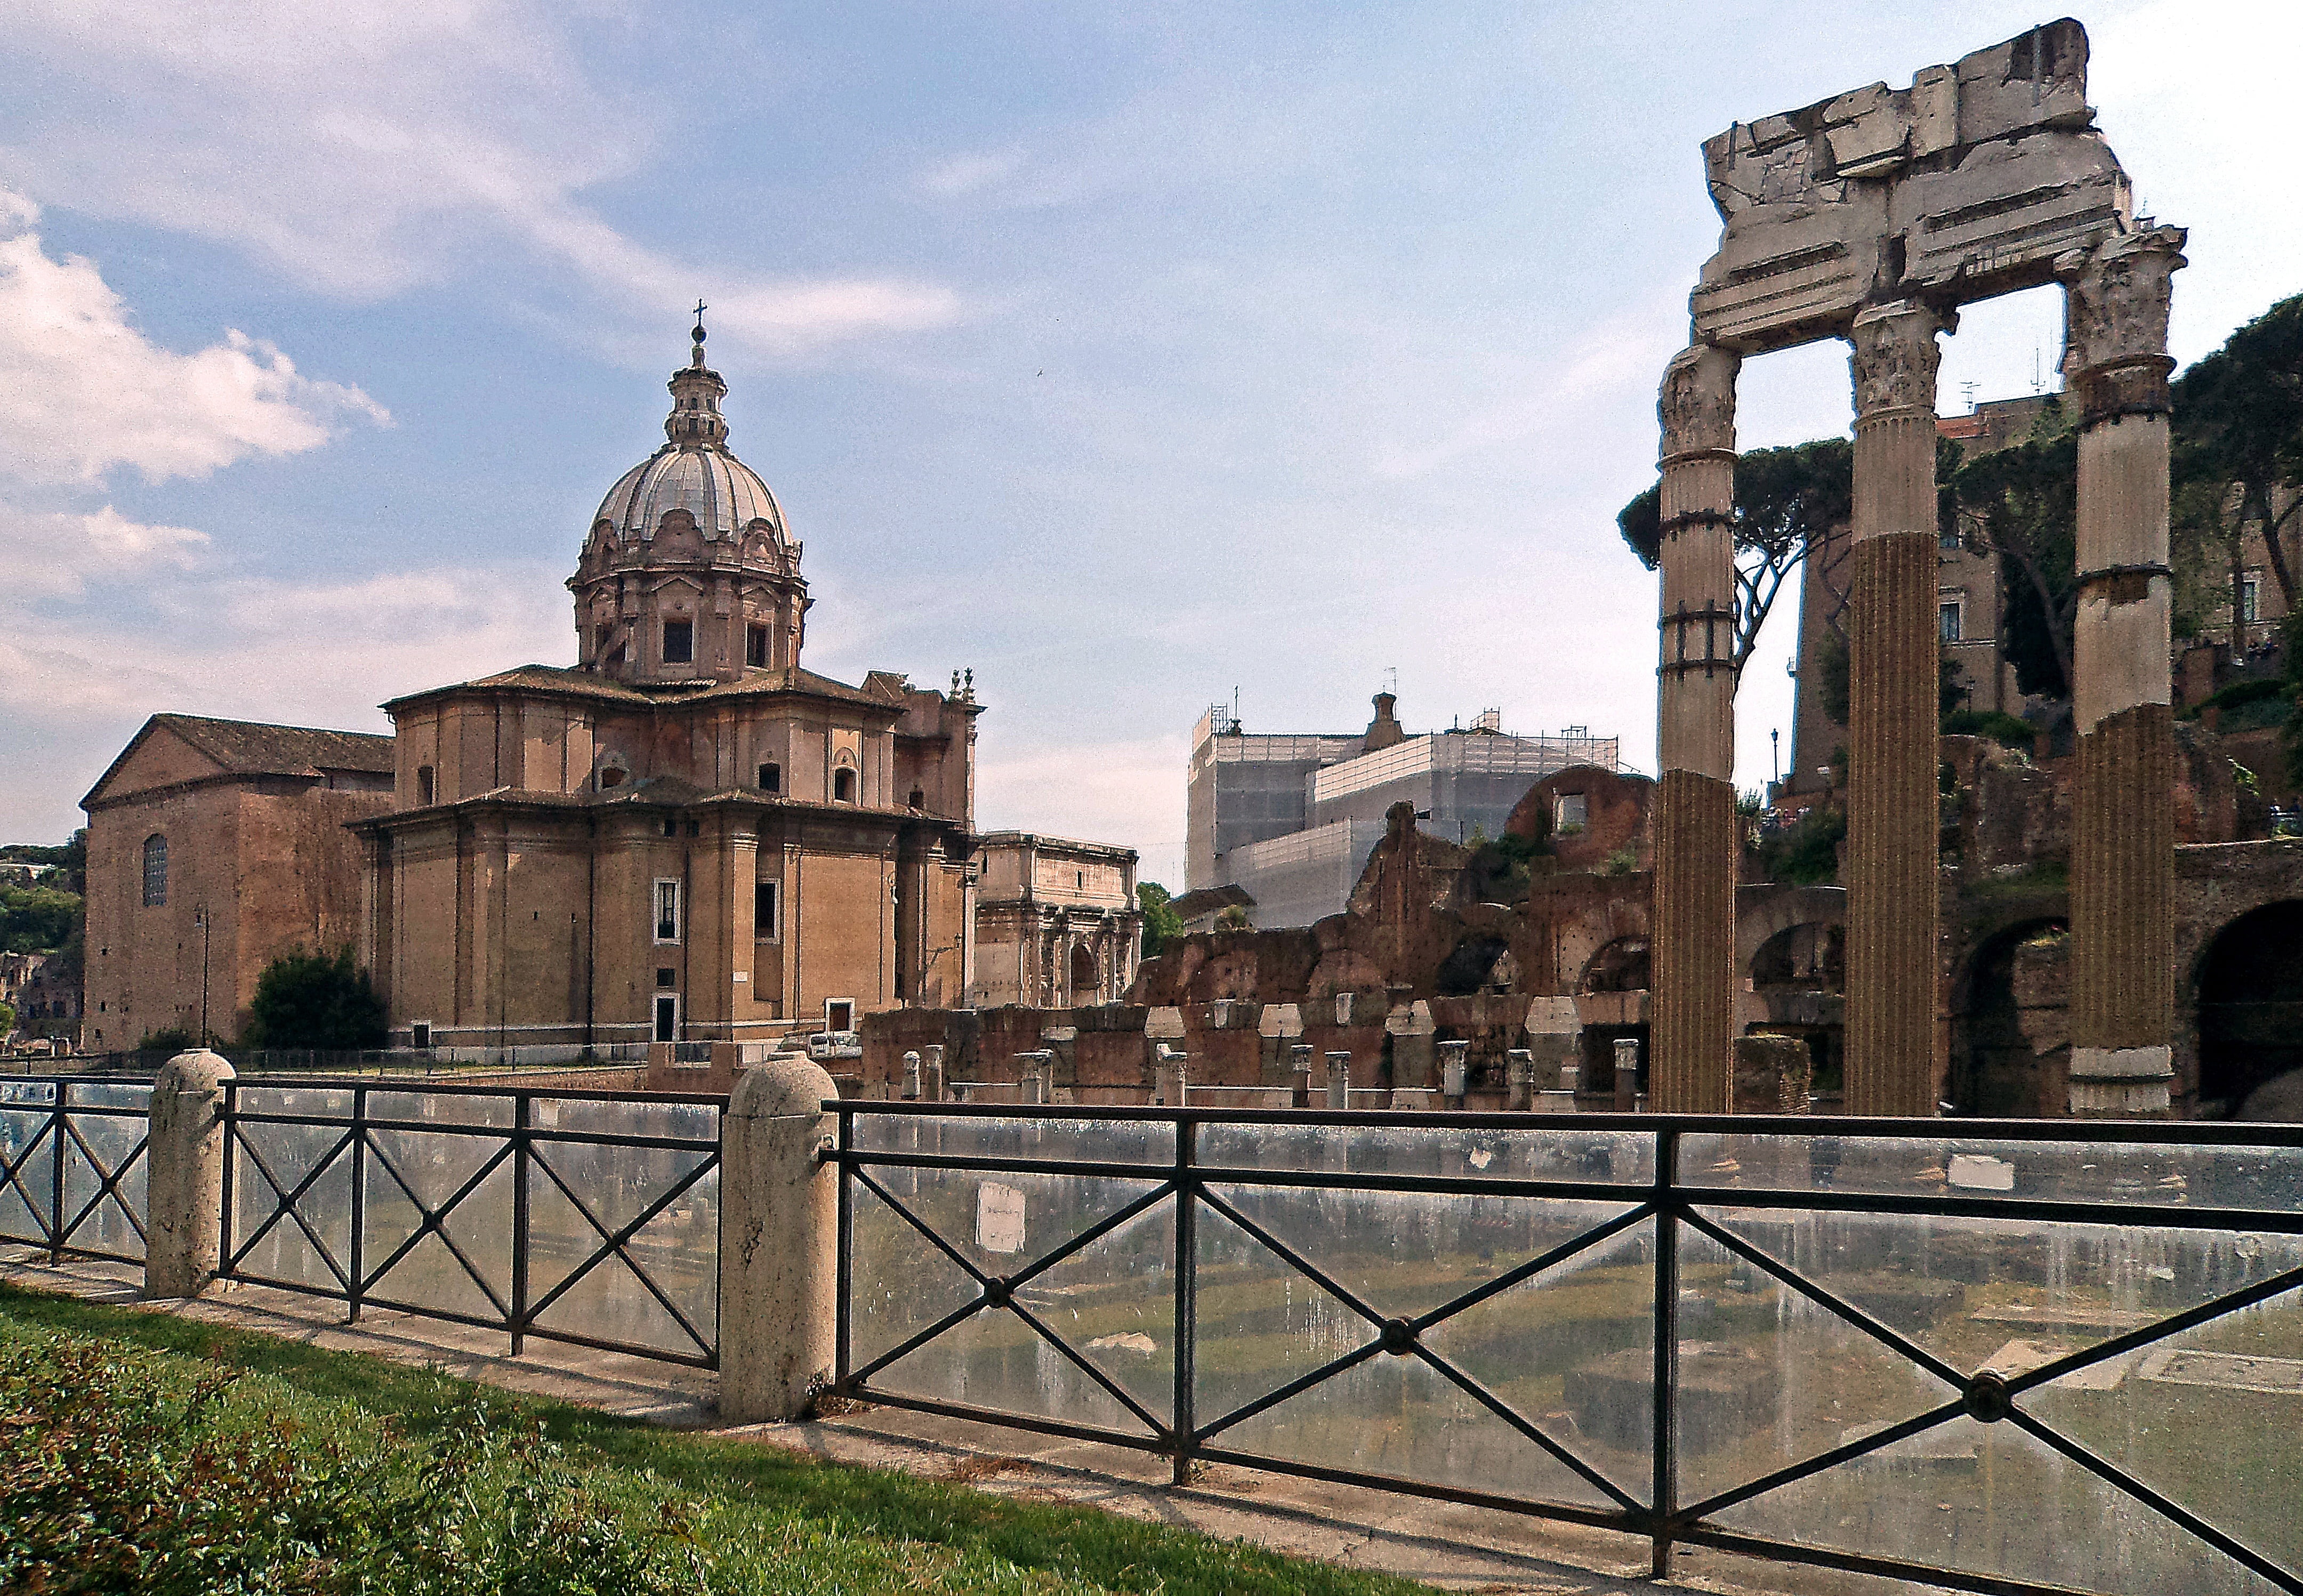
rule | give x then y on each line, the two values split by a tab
687	835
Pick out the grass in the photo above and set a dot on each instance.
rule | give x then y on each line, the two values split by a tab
770	1521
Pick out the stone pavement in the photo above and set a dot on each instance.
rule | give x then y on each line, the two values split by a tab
1449	1547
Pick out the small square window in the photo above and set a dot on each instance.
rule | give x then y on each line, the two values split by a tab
1570	814
771	778
667	978
678	642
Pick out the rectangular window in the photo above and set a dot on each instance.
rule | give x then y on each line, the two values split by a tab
1569	814
667	911
667	1017
420	1034
1947	540
156	870
2250	597
756	646
839	1014
771	778
764	905
678	642
1947	620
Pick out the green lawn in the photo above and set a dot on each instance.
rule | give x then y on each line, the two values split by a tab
385	1440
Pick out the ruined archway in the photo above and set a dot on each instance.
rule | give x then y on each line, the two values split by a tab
2011	1043
1622	966
2252	1014
1087	975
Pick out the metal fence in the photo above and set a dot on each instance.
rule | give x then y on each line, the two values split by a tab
73	1165
583	1217
2018	1357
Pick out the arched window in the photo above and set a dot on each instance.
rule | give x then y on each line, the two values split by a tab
843	786
156	870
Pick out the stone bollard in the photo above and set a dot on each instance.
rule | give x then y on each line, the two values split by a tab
1627	1074
1339	1080
1299	1074
184	1183
778	1242
1172	1077
932	1073
911	1077
1454	1072
1033	1072
1519	1079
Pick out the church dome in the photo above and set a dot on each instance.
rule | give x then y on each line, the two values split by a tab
723	493
694	471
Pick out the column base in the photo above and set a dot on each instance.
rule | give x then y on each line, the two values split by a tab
2122	1083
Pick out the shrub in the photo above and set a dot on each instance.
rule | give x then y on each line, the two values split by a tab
174	1039
2008	731
309	999
117	1475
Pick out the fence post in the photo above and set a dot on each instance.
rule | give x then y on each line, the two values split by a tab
1667	1352
59	1143
778	1242
184	1179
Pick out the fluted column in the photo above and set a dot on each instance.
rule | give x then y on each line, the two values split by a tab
1691	1008
1893	644
2122	822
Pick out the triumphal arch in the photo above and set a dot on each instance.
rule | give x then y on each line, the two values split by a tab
1873	216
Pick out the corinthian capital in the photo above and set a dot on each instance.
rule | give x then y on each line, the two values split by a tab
2115	304
1895	357
1697	406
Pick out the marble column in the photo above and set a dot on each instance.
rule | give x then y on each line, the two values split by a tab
1893	646
1693	935
2122	822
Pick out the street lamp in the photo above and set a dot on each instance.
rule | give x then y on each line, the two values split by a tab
200	919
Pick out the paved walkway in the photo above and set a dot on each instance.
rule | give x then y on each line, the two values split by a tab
1449	1547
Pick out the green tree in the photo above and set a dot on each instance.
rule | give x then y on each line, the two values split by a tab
2021	504
36	919
1787	504
1161	924
2292	649
311	1000
2238	434
7	1018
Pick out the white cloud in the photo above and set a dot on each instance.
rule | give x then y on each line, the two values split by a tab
54	553
366	150
83	391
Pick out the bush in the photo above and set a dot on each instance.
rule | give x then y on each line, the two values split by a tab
174	1039
309	999
1805	853
117	1473
2008	731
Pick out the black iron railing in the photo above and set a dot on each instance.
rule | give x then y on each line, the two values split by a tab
583	1217
1608	1289
73	1164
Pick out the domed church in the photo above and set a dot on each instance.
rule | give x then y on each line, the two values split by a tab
687	835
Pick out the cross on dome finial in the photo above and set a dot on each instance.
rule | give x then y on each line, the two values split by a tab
696	333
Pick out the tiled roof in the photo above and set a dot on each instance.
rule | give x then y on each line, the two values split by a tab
567	679
250	748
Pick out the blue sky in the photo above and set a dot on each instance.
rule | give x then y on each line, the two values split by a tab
1125	355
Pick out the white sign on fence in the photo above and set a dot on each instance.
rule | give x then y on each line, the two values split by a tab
999	1218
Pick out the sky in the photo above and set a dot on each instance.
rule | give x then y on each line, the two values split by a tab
1128	356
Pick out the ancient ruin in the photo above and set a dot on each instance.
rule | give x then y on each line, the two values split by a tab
1873	216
